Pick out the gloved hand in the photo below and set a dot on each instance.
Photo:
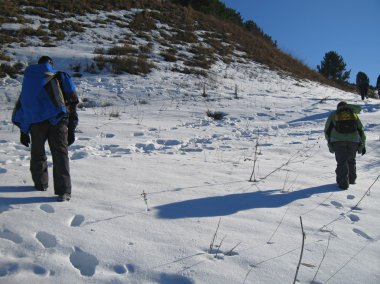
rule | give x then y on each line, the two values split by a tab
331	149
71	136
364	151
24	139
361	149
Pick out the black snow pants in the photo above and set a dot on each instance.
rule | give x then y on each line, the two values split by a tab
56	135
363	89
345	155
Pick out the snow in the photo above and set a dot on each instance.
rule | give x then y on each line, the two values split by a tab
155	181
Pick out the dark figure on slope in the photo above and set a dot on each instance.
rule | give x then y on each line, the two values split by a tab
362	83
345	136
46	109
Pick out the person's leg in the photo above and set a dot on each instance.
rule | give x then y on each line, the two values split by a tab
341	171
362	93
38	161
58	146
352	148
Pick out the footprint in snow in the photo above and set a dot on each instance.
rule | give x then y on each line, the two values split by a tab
362	234
83	261
138	134
47	208
2	170
120	269
106	135
130	268
79	155
123	269
350	196
39	270
77	220
8	269
337	204
354	218
10	236
46	239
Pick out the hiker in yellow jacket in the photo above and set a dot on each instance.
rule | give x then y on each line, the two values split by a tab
345	136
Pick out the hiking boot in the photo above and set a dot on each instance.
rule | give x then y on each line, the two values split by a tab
41	187
64	197
343	186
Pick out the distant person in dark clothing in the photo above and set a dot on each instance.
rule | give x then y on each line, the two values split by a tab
345	136
46	110
362	83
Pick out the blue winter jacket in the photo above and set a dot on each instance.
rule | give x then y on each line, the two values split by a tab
35	104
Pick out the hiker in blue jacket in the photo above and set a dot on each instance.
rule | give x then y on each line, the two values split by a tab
46	111
345	136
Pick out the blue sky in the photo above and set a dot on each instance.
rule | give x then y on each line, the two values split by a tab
307	29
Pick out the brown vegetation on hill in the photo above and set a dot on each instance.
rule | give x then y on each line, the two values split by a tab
207	37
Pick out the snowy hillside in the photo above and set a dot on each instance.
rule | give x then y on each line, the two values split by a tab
161	192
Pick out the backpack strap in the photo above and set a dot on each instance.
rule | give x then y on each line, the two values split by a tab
54	90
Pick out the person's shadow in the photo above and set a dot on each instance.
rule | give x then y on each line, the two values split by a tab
230	204
7	202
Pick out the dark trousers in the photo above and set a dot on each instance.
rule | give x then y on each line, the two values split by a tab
56	135
363	89
345	155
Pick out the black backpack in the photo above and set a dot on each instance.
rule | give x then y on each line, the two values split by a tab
346	121
55	88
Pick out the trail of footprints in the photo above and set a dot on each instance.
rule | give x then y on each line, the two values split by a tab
352	217
84	261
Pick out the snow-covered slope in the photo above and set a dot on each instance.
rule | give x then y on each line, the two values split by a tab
161	191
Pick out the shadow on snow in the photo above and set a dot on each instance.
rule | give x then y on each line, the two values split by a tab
230	204
312	117
6	202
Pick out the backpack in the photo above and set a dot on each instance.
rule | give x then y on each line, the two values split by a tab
346	121
60	89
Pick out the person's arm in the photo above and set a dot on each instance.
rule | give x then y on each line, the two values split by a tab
328	127
363	138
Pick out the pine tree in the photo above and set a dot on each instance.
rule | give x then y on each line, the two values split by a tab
333	67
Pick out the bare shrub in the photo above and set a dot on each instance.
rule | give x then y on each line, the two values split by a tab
217	115
122	50
169	55
193	71
99	50
183	36
43	13
147	48
31	32
11	70
101	62
68	26
136	65
4	57
142	21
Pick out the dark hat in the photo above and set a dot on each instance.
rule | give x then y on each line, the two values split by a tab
45	59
